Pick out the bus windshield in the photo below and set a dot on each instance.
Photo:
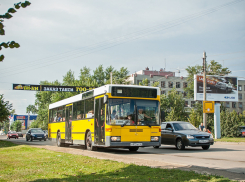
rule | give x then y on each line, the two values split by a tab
133	112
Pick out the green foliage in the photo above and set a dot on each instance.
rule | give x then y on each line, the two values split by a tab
32	109
230	121
8	15
173	106
196	115
16	126
5	109
144	82
35	124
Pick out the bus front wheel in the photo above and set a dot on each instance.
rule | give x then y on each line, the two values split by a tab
89	143
58	140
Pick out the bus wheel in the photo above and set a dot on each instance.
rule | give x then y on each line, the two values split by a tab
58	140
133	149
89	144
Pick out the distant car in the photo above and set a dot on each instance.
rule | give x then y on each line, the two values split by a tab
46	133
35	134
225	86
242	131
20	134
182	134
12	134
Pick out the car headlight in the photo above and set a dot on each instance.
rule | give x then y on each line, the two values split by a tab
115	138
33	135
211	136
154	138
189	136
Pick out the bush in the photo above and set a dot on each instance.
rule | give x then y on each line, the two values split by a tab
230	122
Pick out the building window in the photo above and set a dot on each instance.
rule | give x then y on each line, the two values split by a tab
227	104
184	84
233	104
163	84
239	88
184	94
163	92
170	84
186	103
178	92
240	105
177	84
193	103
138	82
240	96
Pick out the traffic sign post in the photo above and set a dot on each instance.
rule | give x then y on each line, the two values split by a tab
208	106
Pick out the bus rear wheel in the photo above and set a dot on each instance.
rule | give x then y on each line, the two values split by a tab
89	144
133	149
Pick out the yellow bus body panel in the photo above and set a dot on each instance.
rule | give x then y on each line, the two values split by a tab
53	128
79	128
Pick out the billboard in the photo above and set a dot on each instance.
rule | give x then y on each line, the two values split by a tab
218	88
51	88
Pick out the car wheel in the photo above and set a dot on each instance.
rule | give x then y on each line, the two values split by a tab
205	147
89	144
156	147
44	139
180	145
133	149
31	138
26	139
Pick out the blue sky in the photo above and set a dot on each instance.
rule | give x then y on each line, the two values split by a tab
57	35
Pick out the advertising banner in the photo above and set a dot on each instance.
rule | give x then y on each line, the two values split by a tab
218	88
51	88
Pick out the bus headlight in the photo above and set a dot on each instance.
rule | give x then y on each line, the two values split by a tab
115	138
154	138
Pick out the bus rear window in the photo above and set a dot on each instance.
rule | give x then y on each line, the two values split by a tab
134	92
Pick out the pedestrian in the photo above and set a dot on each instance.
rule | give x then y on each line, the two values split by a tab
201	127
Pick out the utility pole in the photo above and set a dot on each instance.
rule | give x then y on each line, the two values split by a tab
204	87
111	77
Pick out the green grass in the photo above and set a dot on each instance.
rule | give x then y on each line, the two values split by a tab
25	163
226	139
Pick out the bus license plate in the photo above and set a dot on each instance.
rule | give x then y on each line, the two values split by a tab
203	141
136	144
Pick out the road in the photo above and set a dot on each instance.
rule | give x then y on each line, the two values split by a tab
225	159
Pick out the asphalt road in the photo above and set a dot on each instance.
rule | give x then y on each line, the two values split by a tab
225	159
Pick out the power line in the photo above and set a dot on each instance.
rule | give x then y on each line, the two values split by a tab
120	40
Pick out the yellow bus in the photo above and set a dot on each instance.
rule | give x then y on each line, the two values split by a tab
111	116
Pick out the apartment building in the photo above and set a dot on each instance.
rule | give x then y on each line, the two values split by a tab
167	81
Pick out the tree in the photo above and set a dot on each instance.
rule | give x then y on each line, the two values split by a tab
173	106
16	126
214	68
144	82
32	109
7	15
5	109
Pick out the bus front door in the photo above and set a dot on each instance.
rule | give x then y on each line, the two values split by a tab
68	123
99	122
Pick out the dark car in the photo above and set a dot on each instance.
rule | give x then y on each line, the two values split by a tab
35	134
12	134
242	131
20	134
182	134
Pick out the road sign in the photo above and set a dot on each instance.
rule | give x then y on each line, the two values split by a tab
208	106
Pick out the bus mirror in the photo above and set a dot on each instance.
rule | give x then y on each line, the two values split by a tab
162	116
105	99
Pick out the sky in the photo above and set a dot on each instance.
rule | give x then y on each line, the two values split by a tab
56	36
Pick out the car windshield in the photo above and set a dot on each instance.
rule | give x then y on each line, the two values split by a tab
37	131
12	132
133	112
184	126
